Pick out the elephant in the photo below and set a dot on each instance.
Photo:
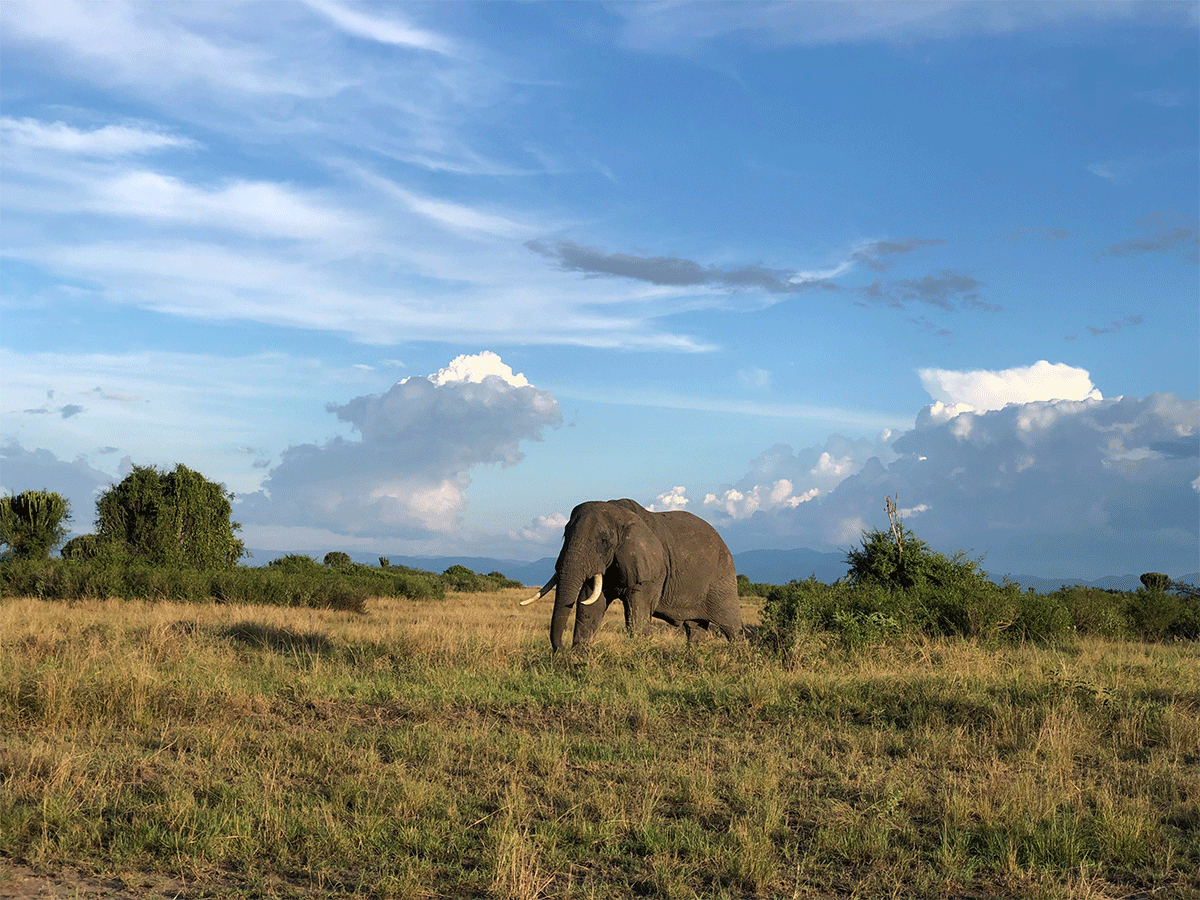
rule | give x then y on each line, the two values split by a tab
670	565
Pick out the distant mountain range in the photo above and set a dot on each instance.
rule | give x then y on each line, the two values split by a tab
761	566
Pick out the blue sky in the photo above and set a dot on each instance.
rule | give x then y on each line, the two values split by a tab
418	278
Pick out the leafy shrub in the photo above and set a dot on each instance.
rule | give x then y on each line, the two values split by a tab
84	546
177	519
788	611
748	588
858	616
296	564
889	592
1043	617
460	578
1157	615
1094	611
336	559
291	581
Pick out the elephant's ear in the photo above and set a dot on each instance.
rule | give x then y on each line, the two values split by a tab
640	555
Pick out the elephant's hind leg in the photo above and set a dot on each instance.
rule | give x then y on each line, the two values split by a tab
725	612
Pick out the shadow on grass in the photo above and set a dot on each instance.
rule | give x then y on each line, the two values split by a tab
269	637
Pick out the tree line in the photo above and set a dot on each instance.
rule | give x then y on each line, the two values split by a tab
170	535
176	518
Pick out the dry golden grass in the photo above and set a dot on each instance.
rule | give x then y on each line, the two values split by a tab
436	749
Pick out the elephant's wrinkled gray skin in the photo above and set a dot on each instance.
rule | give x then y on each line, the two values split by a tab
671	566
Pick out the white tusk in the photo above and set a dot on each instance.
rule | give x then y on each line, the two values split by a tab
543	592
595	595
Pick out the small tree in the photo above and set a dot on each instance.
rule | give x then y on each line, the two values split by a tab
1156	581
33	523
83	546
880	561
336	559
177	518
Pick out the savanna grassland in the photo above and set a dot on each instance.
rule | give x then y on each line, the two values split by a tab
436	749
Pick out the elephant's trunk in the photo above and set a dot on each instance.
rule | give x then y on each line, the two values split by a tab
558	625
571	575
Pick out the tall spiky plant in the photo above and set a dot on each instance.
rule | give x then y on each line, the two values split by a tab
32	523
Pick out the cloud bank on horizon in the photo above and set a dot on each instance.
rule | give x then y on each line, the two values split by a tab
232	235
1025	463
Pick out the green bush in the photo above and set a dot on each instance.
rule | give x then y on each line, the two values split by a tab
1094	611
296	564
1157	615
788	612
291	581
176	519
891	592
84	546
748	588
336	559
1043	617
460	578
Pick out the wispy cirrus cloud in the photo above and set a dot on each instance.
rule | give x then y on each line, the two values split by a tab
105	141
1042	233
1166	99
139	45
1165	239
673	270
684	27
947	290
390	29
423	252
876	255
260	208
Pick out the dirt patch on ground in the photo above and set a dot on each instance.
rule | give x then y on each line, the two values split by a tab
19	882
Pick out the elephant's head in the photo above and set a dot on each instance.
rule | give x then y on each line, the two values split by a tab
607	548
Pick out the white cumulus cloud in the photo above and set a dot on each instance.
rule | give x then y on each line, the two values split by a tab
675	498
542	530
474	369
740	505
407	474
977	390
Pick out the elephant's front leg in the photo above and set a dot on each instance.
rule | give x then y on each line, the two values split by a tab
640	602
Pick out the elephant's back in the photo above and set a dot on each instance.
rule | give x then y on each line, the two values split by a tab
694	544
